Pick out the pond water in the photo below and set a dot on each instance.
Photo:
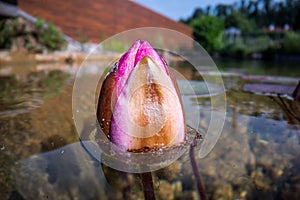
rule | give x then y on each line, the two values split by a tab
256	157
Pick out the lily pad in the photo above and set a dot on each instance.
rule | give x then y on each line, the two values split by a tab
269	88
198	88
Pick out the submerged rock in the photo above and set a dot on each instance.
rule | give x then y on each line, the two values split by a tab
169	173
165	191
222	191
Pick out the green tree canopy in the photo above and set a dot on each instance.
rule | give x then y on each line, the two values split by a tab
208	31
241	21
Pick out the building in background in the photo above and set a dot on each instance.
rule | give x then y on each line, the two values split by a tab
8	8
94	21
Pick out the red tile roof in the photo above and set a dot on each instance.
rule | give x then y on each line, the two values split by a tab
96	20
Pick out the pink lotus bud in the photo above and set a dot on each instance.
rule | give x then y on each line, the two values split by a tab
139	105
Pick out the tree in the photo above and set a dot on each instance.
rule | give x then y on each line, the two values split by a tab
197	13
208	31
222	11
252	9
241	21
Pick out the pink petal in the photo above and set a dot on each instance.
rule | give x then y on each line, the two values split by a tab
148	112
126	65
128	61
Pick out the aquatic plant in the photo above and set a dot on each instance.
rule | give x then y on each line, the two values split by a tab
140	107
139	104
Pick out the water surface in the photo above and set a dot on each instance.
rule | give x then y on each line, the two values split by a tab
256	157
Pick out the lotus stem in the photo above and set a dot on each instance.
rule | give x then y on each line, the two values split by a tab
196	171
148	187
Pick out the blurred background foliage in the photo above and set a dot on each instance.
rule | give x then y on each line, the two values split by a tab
20	35
262	27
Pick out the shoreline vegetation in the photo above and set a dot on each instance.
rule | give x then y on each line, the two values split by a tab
262	29
33	43
246	29
61	57
24	42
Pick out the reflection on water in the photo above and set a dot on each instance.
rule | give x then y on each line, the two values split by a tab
258	67
257	156
64	173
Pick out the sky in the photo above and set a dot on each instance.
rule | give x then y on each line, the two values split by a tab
180	9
